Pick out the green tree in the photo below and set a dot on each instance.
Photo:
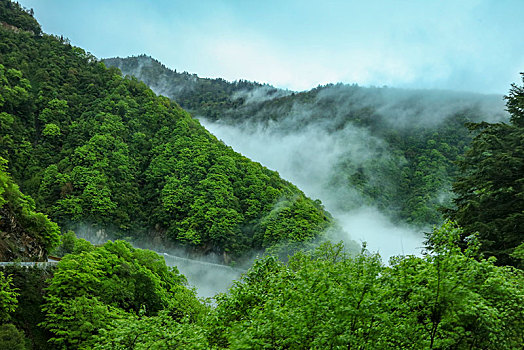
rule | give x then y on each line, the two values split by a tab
51	130
30	283
19	220
14	14
94	148
490	189
55	113
8	296
95	287
151	332
11	338
446	299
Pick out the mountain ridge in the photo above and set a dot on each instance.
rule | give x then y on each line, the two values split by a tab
418	134
103	153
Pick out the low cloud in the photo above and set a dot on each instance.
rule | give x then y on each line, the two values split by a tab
309	159
260	94
204	273
405	108
315	145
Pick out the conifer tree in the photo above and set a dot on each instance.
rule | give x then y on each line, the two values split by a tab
490	190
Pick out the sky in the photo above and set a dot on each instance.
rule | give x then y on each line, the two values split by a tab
468	45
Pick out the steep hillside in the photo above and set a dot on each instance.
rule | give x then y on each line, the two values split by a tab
14	17
102	153
389	148
195	94
25	234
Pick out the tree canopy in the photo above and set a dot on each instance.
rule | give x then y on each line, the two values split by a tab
329	299
490	188
96	287
24	233
414	139
89	147
103	153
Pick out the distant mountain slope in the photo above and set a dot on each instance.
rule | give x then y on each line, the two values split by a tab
210	96
102	153
350	146
14	17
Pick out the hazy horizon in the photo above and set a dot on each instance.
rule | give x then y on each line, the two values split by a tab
472	45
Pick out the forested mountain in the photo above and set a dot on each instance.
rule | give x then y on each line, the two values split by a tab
103	152
24	233
391	148
88	147
490	188
399	150
195	94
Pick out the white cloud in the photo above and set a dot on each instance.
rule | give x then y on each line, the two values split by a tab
259	60
468	45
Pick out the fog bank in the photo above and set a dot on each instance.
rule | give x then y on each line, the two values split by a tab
309	159
204	274
319	138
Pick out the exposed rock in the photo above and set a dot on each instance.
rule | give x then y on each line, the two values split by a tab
15	242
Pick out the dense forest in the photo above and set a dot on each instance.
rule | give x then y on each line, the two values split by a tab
81	146
98	151
405	142
117	297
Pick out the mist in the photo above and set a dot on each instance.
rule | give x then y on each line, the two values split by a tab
208	278
329	108
205	274
309	159
309	144
316	139
409	108
260	94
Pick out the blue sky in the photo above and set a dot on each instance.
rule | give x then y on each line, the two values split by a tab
472	45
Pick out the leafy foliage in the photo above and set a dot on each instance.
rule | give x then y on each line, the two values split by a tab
92	289
408	177
24	233
11	338
153	332
11	13
193	93
30	283
490	188
327	299
94	149
8	296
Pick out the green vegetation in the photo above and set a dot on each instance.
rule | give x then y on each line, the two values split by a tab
11	338
24	233
155	332
100	296
118	297
13	14
194	94
7	297
105	153
30	284
94	148
490	188
329	300
97	287
415	136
